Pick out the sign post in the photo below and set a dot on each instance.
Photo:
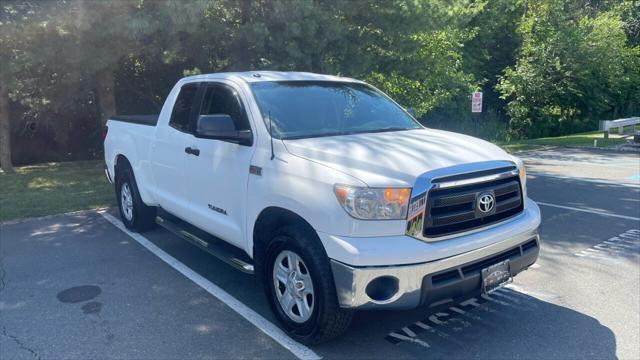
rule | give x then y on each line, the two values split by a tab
476	107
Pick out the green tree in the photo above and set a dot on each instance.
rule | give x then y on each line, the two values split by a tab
413	50
64	58
572	70
494	46
19	67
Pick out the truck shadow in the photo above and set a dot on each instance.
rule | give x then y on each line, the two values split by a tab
508	324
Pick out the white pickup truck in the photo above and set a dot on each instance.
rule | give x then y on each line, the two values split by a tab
330	192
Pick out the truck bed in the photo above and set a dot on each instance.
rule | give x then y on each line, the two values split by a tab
149	120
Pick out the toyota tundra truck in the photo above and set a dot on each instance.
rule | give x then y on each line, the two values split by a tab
331	193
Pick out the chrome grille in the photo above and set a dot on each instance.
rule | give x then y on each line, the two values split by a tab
454	209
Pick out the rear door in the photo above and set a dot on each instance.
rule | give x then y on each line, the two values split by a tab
168	154
218	175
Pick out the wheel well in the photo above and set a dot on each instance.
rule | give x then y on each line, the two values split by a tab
270	220
121	162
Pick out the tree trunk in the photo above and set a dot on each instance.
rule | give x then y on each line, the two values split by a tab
105	92
5	131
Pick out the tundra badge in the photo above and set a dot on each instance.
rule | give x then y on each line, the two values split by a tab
217	209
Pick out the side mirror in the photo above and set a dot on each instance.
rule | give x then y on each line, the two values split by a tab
222	127
412	112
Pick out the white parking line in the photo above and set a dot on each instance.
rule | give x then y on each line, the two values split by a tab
588	211
274	332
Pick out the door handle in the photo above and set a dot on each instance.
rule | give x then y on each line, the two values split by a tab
192	151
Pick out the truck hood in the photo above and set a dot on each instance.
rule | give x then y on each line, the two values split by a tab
394	158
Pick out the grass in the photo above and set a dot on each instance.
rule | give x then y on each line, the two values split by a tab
54	188
583	139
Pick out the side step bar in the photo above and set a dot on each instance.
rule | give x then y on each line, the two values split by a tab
215	247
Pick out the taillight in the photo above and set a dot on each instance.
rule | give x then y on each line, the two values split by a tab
105	130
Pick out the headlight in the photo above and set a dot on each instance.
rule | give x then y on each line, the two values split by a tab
374	203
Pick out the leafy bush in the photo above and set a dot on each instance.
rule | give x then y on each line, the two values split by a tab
571	72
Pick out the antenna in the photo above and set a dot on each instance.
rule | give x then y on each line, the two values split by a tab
271	135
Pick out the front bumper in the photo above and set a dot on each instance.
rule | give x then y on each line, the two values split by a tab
430	283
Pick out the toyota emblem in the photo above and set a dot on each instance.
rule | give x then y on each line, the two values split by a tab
486	202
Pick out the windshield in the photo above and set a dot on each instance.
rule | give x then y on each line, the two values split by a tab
302	109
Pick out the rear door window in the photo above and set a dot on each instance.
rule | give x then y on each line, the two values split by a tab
181	113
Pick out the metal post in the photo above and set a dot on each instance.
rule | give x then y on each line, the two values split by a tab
475	124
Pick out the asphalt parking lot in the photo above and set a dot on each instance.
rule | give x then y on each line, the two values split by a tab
76	286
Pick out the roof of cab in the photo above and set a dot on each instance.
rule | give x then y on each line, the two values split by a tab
259	76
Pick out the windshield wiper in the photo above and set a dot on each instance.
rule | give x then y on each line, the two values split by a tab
295	137
386	129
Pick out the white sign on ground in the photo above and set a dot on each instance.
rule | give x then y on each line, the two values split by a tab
476	102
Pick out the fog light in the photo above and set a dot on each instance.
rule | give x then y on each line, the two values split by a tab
382	289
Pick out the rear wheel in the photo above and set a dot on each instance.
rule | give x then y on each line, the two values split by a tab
126	201
135	214
300	288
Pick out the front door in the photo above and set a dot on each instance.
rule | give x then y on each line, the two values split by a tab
217	177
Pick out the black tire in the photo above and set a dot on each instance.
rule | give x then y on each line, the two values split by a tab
144	216
327	319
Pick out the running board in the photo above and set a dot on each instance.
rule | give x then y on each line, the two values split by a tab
214	246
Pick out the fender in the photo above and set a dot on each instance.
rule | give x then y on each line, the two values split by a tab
135	152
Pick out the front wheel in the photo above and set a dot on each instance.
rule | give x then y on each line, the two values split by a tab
293	286
300	288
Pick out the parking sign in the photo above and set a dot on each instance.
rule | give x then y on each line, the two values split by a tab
476	102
